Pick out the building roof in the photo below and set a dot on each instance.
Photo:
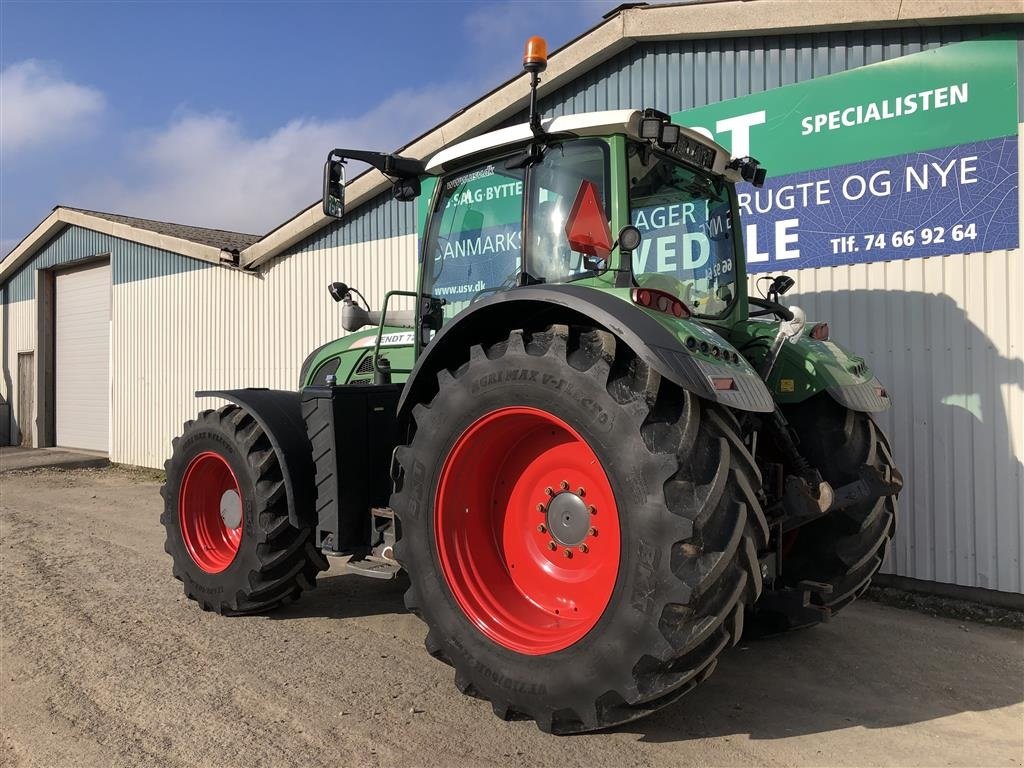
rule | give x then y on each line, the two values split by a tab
224	239
216	246
621	28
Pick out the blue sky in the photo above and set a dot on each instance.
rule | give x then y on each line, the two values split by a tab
219	114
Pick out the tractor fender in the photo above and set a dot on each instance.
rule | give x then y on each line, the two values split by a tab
806	367
279	414
489	321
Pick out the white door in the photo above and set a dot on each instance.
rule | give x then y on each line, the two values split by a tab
82	374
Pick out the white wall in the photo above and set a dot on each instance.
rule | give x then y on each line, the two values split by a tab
17	334
220	329
945	335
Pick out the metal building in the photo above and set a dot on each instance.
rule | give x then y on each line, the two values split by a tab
110	323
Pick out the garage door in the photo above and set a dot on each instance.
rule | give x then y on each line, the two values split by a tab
82	359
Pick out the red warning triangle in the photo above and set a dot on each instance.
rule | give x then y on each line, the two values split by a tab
587	227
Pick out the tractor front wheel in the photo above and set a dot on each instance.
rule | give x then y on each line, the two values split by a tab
581	537
226	518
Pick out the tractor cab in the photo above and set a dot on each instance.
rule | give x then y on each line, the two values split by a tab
591	202
622	199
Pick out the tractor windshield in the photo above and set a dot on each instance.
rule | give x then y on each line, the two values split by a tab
475	246
688	248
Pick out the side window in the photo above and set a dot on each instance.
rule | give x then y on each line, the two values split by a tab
474	243
569	232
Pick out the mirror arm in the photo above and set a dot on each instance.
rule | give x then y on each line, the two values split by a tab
394	166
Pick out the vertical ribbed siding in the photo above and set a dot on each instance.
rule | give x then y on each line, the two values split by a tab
376	219
129	260
676	75
221	328
17	334
945	335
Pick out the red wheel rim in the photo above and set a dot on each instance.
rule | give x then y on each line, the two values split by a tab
507	512
210	508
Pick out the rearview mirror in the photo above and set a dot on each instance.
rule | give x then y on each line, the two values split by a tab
334	188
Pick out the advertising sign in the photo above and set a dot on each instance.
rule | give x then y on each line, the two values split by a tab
907	158
903	159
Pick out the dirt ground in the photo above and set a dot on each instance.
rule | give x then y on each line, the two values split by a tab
106	664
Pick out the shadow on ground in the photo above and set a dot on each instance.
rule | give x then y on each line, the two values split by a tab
348	596
873	666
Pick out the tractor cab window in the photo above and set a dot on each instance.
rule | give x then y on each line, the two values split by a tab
474	245
688	247
569	234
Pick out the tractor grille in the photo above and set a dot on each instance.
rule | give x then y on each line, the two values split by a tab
365	365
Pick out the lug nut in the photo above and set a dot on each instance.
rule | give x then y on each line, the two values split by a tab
549	491
552	546
592	531
568	553
542	528
581	492
584	548
592	509
565	485
540	508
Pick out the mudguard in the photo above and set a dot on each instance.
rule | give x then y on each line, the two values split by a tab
652	340
809	366
279	413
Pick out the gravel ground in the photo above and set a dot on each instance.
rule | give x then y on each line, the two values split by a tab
104	663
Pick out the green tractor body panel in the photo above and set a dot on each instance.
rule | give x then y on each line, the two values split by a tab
354	354
808	366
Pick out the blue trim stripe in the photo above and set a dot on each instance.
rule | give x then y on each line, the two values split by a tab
129	260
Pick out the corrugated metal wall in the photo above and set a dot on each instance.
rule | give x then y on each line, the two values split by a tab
943	333
252	330
128	260
682	74
946	337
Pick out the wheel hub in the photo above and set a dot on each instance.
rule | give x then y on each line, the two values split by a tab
568	519
231	509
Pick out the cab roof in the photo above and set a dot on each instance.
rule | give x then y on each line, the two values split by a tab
619	121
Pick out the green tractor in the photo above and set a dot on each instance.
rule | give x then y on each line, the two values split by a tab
597	460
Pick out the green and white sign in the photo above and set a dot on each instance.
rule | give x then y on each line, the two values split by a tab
907	158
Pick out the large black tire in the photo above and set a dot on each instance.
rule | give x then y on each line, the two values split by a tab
846	548
690	529
275	561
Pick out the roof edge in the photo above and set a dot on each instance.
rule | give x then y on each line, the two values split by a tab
629	26
61	217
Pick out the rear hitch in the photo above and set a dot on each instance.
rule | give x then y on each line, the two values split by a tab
804	499
380	563
874	483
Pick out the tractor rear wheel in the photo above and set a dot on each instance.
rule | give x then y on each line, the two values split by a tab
844	549
226	518
581	537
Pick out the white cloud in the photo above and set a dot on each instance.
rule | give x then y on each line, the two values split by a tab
207	170
204	170
38	106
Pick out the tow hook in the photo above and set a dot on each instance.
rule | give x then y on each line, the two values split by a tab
803	501
874	483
